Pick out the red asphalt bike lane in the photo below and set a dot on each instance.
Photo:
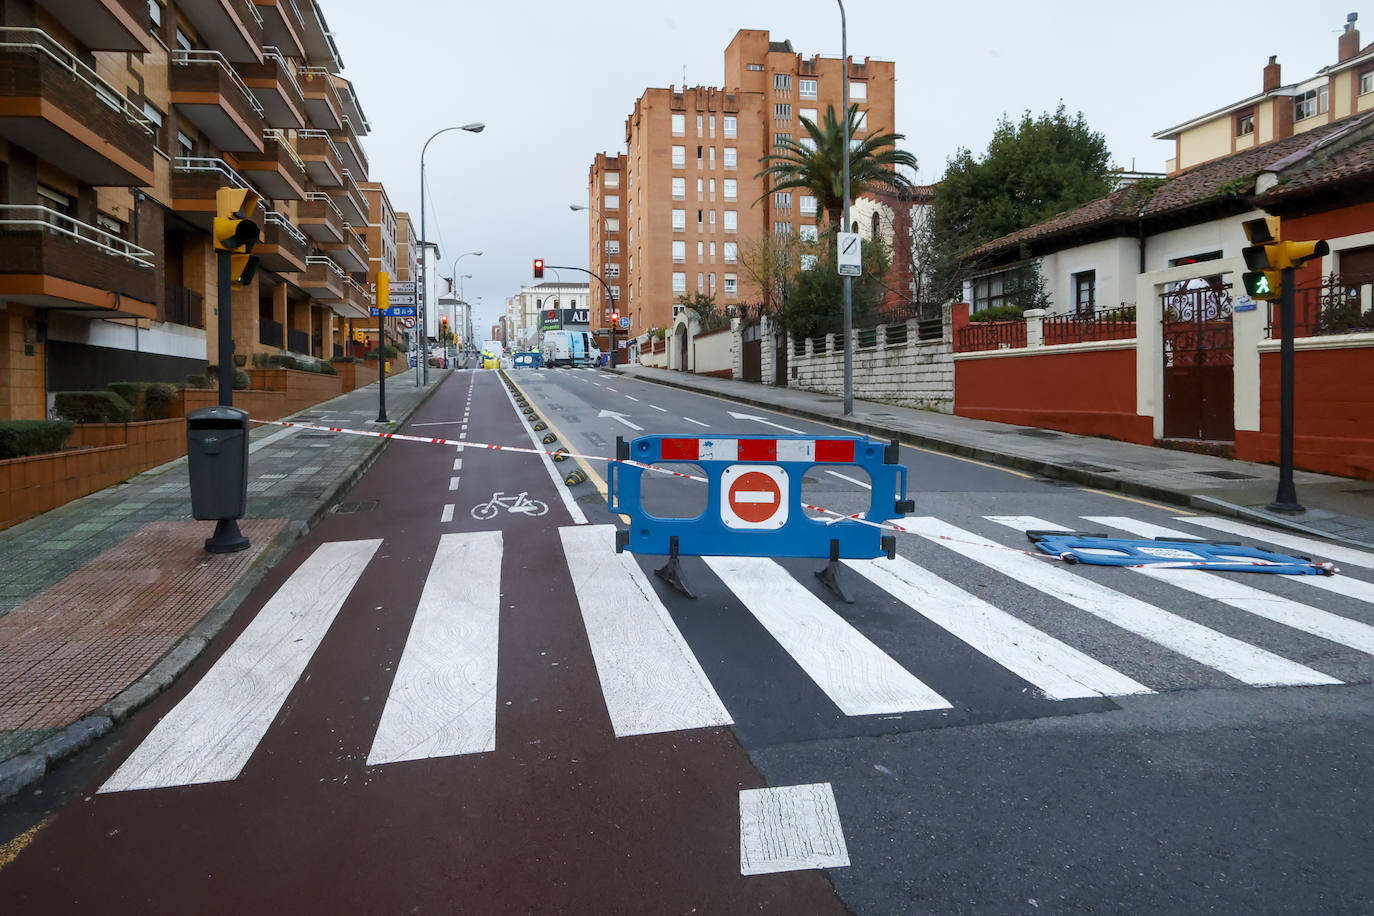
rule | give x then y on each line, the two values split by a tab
561	817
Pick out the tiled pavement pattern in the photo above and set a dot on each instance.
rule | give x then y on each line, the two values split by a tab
67	641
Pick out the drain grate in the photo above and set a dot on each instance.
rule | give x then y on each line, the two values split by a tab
362	505
1229	475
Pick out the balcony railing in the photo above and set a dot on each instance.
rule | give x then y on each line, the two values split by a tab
40	42
297	341
204	57
1109	324
1334	306
274	218
25	216
270	333
991	335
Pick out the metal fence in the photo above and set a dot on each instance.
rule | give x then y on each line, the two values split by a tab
1334	306
1111	324
991	335
297	341
270	333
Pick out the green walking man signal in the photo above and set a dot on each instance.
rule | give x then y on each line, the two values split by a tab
1268	256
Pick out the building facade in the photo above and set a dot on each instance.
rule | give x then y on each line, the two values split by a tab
685	197
123	122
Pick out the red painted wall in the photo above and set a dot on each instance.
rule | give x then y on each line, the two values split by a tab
1090	393
1333	413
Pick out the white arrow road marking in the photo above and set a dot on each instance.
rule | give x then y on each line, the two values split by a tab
745	416
620	418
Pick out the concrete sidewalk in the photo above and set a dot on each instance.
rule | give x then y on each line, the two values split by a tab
1338	508
105	600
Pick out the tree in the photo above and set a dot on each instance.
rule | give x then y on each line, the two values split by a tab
708	315
872	163
1032	170
813	298
770	262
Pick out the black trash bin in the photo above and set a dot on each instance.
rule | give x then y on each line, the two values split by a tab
217	458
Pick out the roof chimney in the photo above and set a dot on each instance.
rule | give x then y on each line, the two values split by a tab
1348	45
1271	74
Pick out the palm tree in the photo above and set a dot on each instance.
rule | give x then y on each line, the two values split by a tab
821	171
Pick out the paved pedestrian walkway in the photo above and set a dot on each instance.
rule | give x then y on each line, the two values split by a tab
1337	507
105	600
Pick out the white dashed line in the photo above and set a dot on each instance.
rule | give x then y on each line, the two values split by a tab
453	483
866	486
448	513
632	398
659	409
697	422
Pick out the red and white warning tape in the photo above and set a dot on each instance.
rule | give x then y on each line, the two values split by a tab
835	516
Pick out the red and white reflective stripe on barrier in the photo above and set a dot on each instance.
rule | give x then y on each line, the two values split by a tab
821	451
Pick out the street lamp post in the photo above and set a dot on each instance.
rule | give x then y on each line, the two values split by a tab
848	281
611	360
453	272
476	127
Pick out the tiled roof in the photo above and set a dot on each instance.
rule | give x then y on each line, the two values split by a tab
1202	185
1347	156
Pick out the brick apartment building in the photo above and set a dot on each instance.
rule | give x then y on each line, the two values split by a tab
671	214
119	119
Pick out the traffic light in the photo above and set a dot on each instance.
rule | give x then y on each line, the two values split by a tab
1268	255
539	268
383	290
234	231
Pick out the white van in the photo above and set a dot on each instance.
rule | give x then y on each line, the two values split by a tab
570	348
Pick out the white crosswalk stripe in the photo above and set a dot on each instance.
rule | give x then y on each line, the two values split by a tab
1311	547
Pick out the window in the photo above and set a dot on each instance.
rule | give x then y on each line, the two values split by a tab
731	252
713	157
713	252
808	261
700	188
731	220
679	252
713	125
612	247
679	282
680	188
713	284
1084	292
783	200
858	91
808	233
183	41
54	199
713	189
699	220
807	205
781	139
807	144
731	284
782	112
730	157
632	235
611	202
782	228
612	271
611	179
698	125
988	292
809	114
1367	82
713	219
1310	104
679	125
731	125
155	118
612	224
875	227
753	67
155	13
701	282
679	157
862	122
782	82
701	251
731	188
110	224
615	290
807	90
679	220
188	146
1245	124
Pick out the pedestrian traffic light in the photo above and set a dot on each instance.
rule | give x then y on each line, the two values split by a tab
383	290
1268	256
538	268
235	232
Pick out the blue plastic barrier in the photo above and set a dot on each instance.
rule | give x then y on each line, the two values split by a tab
1100	550
528	361
753	503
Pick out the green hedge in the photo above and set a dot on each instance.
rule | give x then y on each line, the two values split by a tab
292	361
211	379
150	400
391	353
20	438
997	313
92	407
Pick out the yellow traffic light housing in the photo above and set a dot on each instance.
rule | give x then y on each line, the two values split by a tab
236	233
1296	254
1268	256
383	290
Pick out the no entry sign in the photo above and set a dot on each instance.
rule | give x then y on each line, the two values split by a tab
754	496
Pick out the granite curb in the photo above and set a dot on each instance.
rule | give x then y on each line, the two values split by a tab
1096	480
29	766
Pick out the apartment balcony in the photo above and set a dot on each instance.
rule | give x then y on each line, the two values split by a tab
321	219
277	171
54	261
322	102
357	301
105	25
283	247
231	27
354	159
318	40
350	200
323	279
194	183
353	110
60	110
350	253
210	94
276	90
282	25
323	161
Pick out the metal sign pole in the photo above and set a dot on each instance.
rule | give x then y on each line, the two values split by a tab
1286	499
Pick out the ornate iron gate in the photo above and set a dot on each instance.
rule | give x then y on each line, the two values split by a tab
1199	381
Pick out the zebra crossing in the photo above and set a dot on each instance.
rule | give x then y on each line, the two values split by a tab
442	700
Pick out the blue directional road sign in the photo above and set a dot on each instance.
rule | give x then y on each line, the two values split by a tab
396	311
624	322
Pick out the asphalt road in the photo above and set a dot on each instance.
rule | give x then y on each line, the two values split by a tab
455	696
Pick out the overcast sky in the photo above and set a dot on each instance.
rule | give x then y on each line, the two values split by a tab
554	82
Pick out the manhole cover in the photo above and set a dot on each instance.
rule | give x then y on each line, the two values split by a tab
364	505
1228	475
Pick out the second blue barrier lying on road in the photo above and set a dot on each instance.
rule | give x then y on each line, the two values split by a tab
1217	556
753	503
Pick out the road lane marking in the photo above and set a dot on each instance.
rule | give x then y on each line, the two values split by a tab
866	486
1240	660
442	702
649	678
1060	671
211	733
457	464
1317	548
789	828
859	678
448	513
697	422
452	484
632	398
574	510
659	409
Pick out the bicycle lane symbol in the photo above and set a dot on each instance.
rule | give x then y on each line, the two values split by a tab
520	504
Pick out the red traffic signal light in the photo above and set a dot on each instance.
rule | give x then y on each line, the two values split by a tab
538	268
